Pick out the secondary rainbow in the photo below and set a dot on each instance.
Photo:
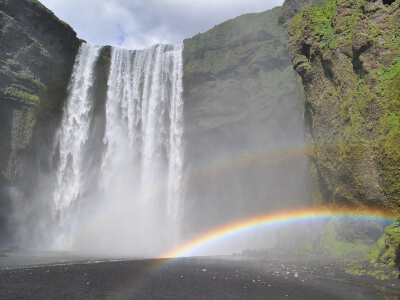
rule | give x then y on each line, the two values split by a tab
267	220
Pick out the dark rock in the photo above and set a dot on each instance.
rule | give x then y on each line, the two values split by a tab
37	52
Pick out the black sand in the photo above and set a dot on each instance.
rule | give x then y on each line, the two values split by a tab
190	278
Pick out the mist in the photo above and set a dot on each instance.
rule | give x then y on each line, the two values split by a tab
243	131
146	160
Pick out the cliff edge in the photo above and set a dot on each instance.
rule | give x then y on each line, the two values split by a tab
37	53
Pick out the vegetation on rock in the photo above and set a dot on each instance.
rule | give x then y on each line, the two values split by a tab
37	54
348	56
36	59
383	258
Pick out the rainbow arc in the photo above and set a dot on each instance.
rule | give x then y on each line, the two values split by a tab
276	219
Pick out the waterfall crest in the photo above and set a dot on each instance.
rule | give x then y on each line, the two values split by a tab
135	207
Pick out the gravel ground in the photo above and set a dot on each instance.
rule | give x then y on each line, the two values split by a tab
190	278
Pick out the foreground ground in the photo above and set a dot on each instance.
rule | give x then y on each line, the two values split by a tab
190	278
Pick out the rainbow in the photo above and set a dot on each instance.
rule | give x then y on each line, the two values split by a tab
274	219
219	166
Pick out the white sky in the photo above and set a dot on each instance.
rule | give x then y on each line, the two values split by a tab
137	24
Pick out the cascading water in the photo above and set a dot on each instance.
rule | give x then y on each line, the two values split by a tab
135	209
72	139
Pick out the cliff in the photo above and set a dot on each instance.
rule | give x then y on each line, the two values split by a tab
347	54
243	120
37	52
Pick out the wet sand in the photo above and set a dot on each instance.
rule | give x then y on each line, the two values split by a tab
190	278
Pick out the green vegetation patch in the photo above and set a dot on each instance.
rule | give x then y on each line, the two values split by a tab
377	271
31	78
21	96
387	249
322	19
351	64
383	260
225	44
333	245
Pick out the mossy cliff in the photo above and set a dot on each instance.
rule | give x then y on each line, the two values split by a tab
241	108
348	56
37	52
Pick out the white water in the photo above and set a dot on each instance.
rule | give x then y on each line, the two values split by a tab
136	207
72	139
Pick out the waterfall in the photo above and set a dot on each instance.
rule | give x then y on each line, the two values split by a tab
136	206
72	139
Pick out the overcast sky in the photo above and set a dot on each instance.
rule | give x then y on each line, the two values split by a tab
137	24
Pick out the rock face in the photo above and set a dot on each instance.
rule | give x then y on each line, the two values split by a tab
243	122
37	52
348	56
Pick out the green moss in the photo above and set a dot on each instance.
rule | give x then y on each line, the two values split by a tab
214	61
358	123
363	268
386	250
375	31
345	248
322	19
383	258
333	245
389	129
212	52
21	96
32	79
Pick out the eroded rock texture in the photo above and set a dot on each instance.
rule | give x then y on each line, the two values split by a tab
347	54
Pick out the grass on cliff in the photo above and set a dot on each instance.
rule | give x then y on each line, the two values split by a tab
383	260
210	52
20	96
364	93
353	85
331	245
323	20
